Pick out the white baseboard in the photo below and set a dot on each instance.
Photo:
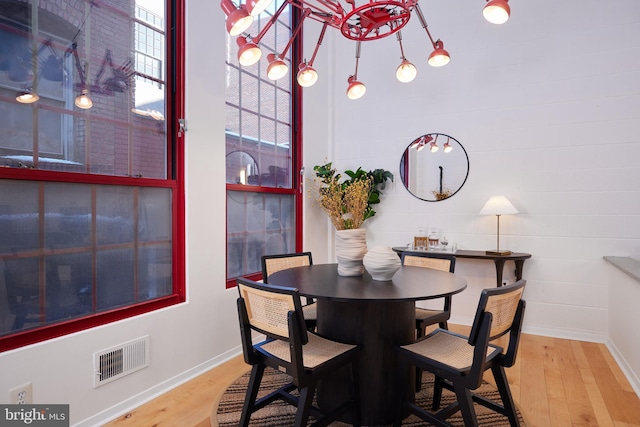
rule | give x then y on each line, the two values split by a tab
128	405
569	334
631	376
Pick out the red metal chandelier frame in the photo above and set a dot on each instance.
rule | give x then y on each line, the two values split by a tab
372	20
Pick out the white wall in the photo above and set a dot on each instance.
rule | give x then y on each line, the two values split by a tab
547	108
185	339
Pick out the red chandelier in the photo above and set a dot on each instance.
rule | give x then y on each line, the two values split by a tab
371	20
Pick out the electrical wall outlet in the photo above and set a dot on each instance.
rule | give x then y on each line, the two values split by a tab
21	395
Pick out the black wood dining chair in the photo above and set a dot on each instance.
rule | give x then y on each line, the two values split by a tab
276	262
426	317
439	261
458	362
289	347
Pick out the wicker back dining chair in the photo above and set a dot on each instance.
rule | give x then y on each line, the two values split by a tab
289	347
439	261
277	262
459	362
426	317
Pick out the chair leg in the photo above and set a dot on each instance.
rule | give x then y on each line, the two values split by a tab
252	392
401	393
465	401
418	379
505	394
304	405
420	332
444	325
355	395
437	392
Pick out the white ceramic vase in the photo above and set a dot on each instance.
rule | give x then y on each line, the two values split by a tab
382	263
351	247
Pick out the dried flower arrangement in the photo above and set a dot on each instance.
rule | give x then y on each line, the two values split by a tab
441	195
348	203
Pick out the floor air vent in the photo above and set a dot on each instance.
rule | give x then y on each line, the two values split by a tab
121	360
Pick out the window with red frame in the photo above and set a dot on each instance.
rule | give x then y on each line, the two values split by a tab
91	184
263	152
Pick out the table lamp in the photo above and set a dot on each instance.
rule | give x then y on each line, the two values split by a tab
498	205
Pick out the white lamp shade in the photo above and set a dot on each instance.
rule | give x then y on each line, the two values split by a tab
498	205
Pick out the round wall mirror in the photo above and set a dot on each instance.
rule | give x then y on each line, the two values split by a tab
434	167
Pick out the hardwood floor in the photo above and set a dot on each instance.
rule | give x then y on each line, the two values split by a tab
556	383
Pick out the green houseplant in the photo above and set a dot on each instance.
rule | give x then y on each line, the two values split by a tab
349	202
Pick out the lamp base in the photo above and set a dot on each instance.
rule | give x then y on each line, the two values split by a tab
498	252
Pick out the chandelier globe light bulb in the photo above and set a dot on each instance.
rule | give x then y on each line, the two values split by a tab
277	68
356	88
256	7
307	76
249	53
497	11
406	71
439	57
238	19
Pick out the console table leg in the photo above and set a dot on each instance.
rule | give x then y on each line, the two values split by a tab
499	270
519	268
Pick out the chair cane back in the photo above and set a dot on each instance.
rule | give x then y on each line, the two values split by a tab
274	263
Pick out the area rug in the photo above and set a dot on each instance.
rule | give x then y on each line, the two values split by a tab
279	414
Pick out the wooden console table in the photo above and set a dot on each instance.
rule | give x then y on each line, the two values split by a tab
518	259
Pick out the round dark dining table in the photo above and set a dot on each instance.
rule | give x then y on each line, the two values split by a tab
379	315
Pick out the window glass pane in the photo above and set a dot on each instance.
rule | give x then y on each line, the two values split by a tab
114	215
232	118
67	220
20	277
18	216
250	99
60	52
257	224
153	216
154	272
250	125
75	253
68	286
115	284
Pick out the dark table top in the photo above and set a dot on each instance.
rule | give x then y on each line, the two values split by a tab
408	284
461	253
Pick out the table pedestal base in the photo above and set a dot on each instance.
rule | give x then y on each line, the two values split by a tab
378	325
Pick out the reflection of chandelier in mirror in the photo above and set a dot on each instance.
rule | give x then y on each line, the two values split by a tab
51	68
447	147
373	20
427	140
